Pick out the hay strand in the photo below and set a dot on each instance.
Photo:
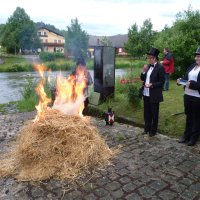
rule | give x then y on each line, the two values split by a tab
56	146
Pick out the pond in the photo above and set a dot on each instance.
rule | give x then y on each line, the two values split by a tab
12	83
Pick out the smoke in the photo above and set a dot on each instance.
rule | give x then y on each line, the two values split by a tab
70	108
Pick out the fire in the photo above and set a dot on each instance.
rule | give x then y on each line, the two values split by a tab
69	93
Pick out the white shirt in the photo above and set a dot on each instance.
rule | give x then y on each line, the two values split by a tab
193	74
146	90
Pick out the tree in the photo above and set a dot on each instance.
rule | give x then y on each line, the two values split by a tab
131	46
105	41
76	41
19	32
146	36
182	39
140	40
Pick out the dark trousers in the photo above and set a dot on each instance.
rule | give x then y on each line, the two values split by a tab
151	111
192	111
166	84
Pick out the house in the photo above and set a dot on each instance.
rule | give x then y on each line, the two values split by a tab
51	41
116	41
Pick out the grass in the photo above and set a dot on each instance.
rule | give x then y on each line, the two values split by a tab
21	64
11	61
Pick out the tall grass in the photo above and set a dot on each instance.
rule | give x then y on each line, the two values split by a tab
29	97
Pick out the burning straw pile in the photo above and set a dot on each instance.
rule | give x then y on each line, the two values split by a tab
56	146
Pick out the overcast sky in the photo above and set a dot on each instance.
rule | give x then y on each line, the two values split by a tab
99	17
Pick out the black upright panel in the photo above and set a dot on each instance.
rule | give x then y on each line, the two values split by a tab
104	70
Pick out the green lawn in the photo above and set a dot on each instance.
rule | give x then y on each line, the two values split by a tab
12	61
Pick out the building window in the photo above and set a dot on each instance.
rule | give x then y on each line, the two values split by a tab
46	40
45	33
55	41
59	41
120	50
39	33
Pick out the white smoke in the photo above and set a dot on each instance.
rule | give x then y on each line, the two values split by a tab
70	108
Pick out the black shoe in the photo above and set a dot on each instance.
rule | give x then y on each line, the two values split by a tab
191	143
152	134
183	140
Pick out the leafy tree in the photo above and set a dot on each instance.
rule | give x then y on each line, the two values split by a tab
105	41
146	36
182	38
140	39
76	41
132	46
1	31
19	32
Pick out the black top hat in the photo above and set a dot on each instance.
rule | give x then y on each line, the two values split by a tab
153	52
197	51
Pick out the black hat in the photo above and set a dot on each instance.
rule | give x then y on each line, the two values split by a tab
197	51
153	52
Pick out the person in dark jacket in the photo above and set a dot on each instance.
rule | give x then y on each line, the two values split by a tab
153	80
168	64
191	81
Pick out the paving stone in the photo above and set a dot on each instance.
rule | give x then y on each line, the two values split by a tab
100	192
113	186
117	194
90	197
113	176
168	195
196	172
188	195
133	196
179	188
124	180
146	192
195	187
123	172
186	181
103	181
129	187
158	185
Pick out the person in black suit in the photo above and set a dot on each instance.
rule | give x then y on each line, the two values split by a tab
192	101
153	77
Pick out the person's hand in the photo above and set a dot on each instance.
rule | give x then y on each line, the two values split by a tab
178	81
161	62
145	68
148	85
188	84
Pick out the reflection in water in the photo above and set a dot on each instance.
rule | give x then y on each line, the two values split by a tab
13	82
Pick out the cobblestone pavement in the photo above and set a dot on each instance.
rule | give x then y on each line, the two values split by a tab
146	168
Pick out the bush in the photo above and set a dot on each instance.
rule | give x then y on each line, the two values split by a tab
29	89
133	95
46	56
59	55
17	68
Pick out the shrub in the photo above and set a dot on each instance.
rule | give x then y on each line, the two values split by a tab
29	89
17	68
133	96
46	56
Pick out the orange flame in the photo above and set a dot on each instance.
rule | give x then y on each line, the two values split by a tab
69	93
